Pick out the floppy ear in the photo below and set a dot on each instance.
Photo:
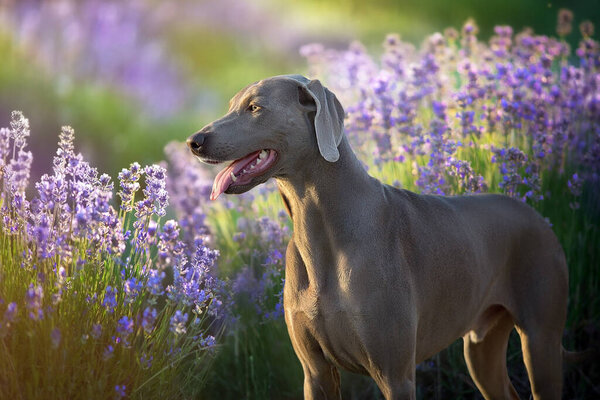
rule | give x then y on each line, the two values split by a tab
329	120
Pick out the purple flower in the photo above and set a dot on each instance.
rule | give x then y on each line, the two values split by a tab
239	236
565	19
96	331
469	181
146	361
154	282
155	194
518	173
110	299
177	323
65	154
129	181
5	136
207	342
132	288
193	282
575	184
148	319
587	29
19	129
120	391
125	326
34	296
18	171
9	316
108	352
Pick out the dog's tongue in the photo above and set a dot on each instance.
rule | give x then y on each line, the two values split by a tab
222	182
223	179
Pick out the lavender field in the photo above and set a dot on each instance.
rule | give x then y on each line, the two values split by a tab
133	284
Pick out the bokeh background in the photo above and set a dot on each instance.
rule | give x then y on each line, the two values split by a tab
130	76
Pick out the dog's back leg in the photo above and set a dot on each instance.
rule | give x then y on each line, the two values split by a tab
542	354
486	358
541	290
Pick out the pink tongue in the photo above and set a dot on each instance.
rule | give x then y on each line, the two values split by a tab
223	179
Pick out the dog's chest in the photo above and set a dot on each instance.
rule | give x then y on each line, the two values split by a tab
332	327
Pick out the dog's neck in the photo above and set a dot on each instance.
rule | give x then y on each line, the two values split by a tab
326	186
321	199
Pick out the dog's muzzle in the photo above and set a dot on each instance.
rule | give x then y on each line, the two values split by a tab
196	141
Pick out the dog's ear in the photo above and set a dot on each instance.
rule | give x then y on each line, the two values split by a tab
329	118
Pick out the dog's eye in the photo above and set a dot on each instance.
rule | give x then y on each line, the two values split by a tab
253	108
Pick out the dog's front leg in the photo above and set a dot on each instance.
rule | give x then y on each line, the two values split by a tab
401	389
321	377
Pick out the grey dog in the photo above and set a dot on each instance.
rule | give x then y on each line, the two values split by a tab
379	279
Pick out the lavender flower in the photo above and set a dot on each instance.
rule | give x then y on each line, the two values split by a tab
469	40
10	316
148	319
5	136
120	391
18	171
132	288
65	154
125	329
154	282
34	297
177	323
193	282
108	352
129	181
469	181
565	19
146	361
110	299
155	194
96	331
207	342
575	184
517	172
125	326
19	129
587	29
189	187
169	244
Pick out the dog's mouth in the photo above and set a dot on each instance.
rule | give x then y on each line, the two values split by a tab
243	170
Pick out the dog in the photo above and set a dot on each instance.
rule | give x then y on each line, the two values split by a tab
379	279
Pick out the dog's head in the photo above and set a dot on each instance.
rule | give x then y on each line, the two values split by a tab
271	129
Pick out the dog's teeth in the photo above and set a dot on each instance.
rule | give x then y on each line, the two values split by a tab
262	154
233	177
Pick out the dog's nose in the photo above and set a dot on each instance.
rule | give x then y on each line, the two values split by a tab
196	141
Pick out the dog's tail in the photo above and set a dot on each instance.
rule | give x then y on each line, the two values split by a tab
576	357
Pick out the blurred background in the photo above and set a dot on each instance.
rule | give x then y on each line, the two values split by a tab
130	76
